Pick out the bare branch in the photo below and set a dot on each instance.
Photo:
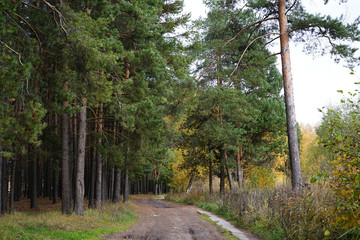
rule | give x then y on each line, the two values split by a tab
291	7
242	55
61	17
271	55
32	29
262	48
229	41
19	55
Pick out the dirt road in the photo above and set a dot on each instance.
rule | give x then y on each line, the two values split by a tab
161	220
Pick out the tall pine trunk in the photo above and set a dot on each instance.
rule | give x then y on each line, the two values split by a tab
210	177
65	181
222	173
296	177
34	184
239	169
80	166
12	183
98	193
228	171
4	185
117	186
126	184
1	163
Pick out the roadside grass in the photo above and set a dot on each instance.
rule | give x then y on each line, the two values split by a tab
248	210
278	213
54	225
225	232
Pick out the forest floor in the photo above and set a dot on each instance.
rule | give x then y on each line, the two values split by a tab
162	220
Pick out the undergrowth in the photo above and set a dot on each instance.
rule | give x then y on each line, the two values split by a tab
54	225
277	213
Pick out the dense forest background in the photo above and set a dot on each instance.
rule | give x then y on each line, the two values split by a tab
107	98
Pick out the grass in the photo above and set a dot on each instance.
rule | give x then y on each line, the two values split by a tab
54	225
227	234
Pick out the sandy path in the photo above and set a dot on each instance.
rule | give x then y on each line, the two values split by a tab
161	220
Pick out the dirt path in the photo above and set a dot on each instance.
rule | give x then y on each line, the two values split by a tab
161	220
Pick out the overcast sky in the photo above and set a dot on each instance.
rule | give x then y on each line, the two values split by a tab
316	80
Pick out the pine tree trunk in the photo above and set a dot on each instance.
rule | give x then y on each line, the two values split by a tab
222	174
228	171
92	176
65	181
19	178
1	167
210	177
98	194
80	166
126	184
111	184
4	186
34	185
296	177
190	184
104	183
54	165
55	187
239	169
117	190
12	184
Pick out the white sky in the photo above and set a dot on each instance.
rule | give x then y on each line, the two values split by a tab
316	80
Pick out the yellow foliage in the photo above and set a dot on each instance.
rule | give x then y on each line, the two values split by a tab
260	176
180	177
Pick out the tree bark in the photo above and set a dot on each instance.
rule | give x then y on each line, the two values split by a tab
4	186
98	194
111	184
92	175
222	172
190	184
55	187
34	183
12	184
239	169
210	177
228	171
80	166
117	190
65	180
296	177
1	163
126	184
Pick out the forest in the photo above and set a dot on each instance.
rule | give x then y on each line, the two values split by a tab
103	99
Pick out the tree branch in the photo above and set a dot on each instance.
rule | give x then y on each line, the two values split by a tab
19	55
61	17
242	55
229	41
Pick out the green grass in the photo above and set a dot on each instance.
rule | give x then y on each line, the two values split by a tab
227	234
54	225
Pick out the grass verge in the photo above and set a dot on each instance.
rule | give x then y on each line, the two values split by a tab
54	225
224	231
